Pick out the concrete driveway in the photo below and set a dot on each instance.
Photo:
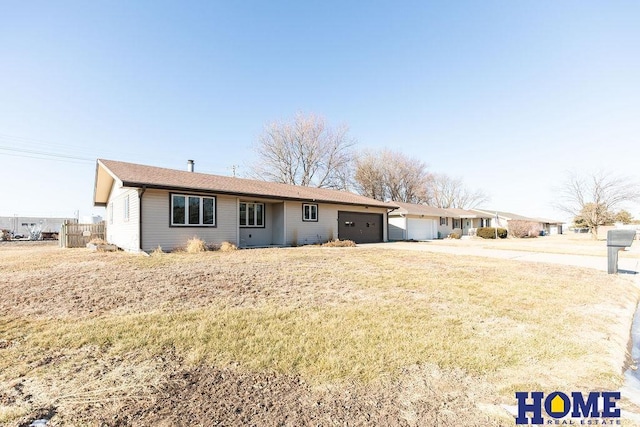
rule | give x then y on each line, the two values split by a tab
625	265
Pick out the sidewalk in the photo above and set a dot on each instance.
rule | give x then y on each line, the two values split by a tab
625	265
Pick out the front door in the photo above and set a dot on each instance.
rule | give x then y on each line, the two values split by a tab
466	225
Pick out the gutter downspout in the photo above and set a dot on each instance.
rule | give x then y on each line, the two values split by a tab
386	223
140	193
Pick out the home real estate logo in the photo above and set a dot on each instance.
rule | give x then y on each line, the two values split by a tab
575	408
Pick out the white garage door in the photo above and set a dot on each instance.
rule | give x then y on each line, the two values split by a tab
422	229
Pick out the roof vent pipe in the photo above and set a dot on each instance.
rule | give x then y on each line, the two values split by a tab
190	165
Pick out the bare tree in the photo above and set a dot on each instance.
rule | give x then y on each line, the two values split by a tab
369	176
390	175
305	152
592	198
447	192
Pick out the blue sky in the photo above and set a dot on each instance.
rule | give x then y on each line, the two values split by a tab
507	95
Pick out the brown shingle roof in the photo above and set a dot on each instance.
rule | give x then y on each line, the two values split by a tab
135	175
414	209
511	216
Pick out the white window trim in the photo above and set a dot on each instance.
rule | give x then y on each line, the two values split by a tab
313	207
186	210
255	215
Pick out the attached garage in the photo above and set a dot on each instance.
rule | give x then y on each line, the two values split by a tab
422	228
404	228
419	222
360	227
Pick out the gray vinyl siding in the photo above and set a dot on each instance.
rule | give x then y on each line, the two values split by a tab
397	228
445	230
156	219
120	231
299	232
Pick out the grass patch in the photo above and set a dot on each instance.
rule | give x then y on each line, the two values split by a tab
327	344
560	244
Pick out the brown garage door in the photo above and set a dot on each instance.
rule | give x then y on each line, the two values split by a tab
360	227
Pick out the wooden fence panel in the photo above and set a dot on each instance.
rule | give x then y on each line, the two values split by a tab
78	235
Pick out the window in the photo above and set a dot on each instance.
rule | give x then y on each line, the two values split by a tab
126	209
456	223
187	210
444	221
309	212
251	214
487	222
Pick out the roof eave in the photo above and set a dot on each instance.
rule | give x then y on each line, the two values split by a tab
234	193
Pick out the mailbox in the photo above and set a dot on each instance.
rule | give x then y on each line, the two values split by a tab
617	240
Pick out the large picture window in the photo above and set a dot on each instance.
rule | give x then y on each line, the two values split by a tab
309	212
188	210
251	214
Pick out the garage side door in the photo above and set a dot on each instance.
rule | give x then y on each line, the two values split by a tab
422	229
360	227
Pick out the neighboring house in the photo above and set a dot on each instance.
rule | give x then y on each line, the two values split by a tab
150	206
548	226
415	222
469	220
422	222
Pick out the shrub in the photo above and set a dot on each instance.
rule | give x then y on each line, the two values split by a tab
196	245
521	228
454	235
490	232
157	251
227	247
223	247
5	235
339	244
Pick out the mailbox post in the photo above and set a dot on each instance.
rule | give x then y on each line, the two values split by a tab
617	240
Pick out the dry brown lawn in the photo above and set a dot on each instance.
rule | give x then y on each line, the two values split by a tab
571	244
297	336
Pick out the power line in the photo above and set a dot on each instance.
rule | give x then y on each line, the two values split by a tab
55	148
25	153
39	149
27	156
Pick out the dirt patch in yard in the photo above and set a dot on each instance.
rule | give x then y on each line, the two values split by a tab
206	395
77	283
